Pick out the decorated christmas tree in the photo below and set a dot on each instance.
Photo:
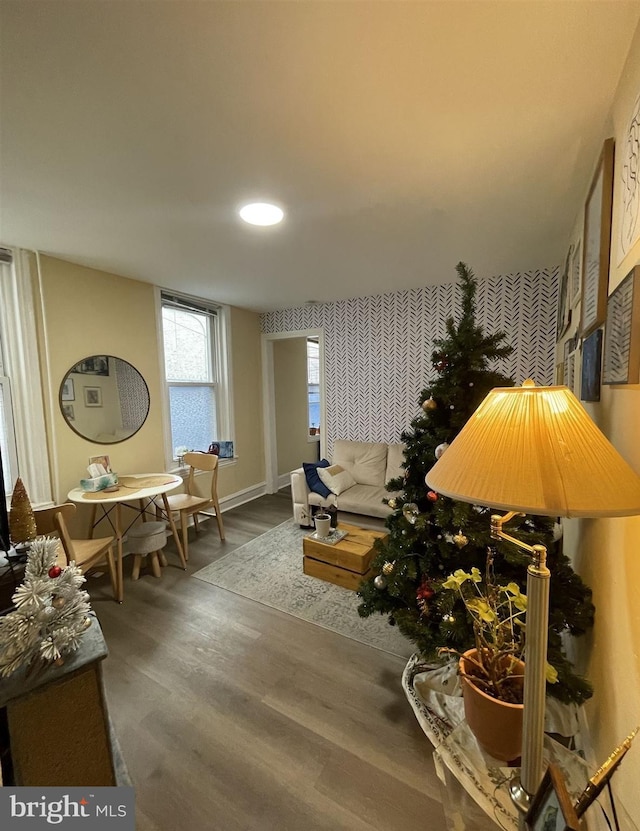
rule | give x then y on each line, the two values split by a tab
50	615
430	536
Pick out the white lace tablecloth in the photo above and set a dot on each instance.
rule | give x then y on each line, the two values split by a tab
472	779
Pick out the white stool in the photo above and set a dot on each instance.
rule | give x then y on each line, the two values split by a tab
147	539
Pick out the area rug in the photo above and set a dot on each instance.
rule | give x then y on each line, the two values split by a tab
269	570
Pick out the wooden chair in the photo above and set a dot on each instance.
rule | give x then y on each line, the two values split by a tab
85	553
190	504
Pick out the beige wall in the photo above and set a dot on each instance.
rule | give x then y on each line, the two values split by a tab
87	312
605	552
292	408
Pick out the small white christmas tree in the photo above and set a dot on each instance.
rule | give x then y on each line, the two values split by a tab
51	611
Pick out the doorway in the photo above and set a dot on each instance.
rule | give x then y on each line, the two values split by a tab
288	411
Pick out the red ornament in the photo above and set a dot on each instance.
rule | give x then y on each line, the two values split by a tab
425	591
432	496
55	571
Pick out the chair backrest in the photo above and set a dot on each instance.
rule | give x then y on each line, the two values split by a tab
53	522
202	461
45	518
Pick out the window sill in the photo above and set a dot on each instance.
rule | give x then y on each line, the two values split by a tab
180	471
313	438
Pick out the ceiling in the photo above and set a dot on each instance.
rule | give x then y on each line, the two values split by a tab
400	137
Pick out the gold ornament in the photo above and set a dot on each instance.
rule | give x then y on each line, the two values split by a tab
387	568
460	539
392	503
411	512
429	404
87	622
58	602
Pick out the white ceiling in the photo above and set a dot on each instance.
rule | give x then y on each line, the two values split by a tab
400	137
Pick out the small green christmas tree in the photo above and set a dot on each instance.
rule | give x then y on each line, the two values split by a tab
430	536
50	615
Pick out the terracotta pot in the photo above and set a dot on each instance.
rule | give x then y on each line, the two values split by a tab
497	725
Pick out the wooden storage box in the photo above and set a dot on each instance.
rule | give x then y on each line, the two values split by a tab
347	562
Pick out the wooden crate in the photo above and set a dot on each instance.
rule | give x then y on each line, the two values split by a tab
347	562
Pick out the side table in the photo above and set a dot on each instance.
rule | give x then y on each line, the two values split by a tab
474	786
59	728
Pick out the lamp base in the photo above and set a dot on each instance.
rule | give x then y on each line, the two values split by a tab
519	796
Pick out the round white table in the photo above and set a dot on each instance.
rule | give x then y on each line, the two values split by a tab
136	491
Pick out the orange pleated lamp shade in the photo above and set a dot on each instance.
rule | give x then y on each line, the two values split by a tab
536	450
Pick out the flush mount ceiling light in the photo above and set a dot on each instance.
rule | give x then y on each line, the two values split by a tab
261	213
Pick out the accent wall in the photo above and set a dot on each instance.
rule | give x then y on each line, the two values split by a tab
378	348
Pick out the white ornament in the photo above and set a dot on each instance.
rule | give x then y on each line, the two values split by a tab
441	448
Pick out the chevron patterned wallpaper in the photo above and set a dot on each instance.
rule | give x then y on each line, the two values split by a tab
378	348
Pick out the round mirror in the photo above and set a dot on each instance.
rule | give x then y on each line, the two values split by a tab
104	399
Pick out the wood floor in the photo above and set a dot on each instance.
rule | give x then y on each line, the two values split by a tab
233	716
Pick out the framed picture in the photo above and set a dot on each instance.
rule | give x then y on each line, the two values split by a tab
622	335
93	397
596	243
564	307
552	808
628	189
575	274
67	412
94	365
67	393
570	374
591	365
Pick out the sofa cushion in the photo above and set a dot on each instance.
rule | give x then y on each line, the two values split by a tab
366	461
336	478
395	458
364	499
313	480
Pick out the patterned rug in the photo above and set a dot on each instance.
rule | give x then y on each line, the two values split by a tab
269	570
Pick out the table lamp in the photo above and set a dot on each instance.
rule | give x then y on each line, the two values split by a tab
534	450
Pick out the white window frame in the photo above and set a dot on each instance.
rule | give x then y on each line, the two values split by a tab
221	359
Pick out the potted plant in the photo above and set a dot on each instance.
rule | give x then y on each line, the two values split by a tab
492	672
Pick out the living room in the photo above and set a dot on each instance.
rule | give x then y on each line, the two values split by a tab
377	345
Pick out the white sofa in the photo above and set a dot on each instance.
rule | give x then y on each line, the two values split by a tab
371	464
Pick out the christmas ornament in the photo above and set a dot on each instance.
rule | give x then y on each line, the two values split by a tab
440	449
54	571
423	595
380	582
460	539
411	512
58	602
22	522
440	361
451	407
448	618
432	496
429	404
388	567
392	503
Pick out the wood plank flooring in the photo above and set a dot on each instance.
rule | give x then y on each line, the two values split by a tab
233	716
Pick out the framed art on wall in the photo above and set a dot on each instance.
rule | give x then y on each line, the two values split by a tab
622	335
574	276
564	305
92	397
596	243
591	365
67	392
629	185
551	808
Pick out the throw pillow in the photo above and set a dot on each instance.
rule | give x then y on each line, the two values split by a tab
337	479
313	480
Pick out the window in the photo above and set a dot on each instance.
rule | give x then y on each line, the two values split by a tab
195	372
313	385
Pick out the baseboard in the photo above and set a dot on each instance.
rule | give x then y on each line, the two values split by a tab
284	480
233	500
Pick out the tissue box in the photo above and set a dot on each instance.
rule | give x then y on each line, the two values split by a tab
99	483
